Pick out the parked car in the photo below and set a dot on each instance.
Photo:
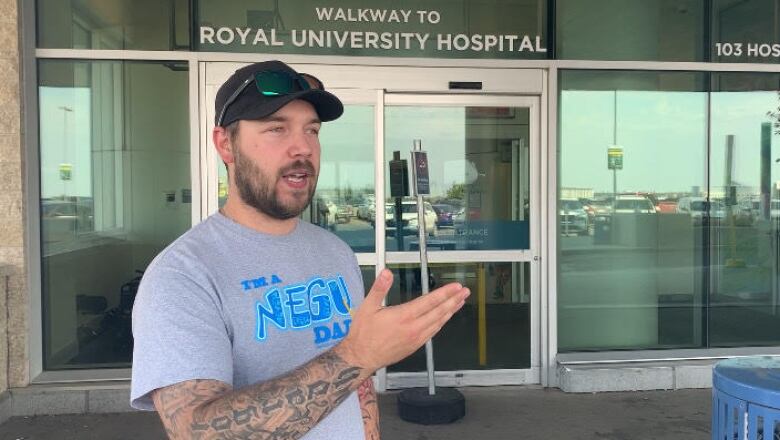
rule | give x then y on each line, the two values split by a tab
444	213
324	212
573	217
597	207
748	210
699	207
666	206
366	209
634	204
459	217
409	223
344	213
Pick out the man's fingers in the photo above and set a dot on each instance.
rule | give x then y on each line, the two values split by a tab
379	290
420	306
435	321
448	307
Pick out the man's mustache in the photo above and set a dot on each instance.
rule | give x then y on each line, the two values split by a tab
298	165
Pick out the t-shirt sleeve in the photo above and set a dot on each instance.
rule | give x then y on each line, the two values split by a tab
179	334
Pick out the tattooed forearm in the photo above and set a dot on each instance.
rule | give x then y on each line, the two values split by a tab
283	408
369	408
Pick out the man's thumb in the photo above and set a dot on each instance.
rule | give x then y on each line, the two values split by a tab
379	290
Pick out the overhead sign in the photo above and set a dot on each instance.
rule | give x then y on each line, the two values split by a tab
303	27
748	50
615	158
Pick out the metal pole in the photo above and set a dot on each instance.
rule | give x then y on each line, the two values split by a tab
766	171
614	170
481	316
614	189
732	260
424	269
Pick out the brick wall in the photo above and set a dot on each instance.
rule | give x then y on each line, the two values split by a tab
13	304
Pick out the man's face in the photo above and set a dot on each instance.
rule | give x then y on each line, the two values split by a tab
277	160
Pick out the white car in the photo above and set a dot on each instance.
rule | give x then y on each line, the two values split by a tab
630	204
409	218
573	217
324	212
366	212
697	207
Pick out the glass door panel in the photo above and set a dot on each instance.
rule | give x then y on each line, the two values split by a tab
479	220
478	169
491	331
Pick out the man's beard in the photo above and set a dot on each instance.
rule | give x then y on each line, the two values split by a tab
259	191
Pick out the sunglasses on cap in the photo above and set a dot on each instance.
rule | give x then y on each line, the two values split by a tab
273	83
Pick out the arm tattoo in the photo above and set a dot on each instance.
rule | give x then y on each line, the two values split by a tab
369	408
283	408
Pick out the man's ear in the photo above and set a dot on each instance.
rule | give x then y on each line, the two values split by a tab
222	143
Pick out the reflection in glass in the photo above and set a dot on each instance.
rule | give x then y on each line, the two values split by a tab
491	331
744	211
344	201
670	259
630	246
115	190
479	177
116	24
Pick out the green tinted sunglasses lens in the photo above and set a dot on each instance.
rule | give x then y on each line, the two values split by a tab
273	83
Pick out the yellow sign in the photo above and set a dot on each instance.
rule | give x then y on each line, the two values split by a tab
615	158
66	171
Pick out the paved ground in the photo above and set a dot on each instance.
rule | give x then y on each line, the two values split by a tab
496	413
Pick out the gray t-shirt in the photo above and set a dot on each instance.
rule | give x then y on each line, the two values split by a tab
229	303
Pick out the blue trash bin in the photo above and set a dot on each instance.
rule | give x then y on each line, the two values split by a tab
746	399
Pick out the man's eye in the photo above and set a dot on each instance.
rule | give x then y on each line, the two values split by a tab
276	129
313	131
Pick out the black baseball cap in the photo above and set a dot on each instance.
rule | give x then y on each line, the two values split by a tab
240	97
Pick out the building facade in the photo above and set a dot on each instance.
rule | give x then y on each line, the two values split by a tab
602	177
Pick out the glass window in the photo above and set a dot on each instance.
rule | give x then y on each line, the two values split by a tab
493	328
117	24
478	160
744	210
514	29
344	201
115	190
630	30
630	253
668	257
745	31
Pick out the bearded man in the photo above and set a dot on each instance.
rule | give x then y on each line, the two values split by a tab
253	324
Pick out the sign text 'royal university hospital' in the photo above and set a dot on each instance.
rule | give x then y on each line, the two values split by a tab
329	40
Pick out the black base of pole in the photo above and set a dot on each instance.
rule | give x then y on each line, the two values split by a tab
415	405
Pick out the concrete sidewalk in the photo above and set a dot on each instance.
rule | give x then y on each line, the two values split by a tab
494	413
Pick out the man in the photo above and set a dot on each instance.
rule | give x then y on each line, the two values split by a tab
248	325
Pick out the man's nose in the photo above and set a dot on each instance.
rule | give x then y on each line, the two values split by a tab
300	145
